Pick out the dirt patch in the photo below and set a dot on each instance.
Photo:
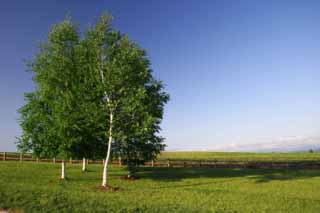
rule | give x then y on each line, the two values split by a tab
108	188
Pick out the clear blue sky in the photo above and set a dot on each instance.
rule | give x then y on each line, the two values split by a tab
237	71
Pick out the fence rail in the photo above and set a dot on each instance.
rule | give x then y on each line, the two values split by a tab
307	164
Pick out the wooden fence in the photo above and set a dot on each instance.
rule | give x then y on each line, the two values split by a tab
175	163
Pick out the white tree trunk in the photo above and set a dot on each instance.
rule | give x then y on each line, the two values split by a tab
63	170
105	167
84	163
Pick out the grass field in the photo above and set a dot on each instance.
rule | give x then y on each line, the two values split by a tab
35	187
240	156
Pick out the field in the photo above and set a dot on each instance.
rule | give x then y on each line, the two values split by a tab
35	187
241	156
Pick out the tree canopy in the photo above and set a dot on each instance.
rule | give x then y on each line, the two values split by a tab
61	117
94	93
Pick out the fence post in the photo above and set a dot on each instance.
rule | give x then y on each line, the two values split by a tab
199	163
54	160
4	156
70	160
20	156
37	160
184	164
102	161
168	163
152	163
87	162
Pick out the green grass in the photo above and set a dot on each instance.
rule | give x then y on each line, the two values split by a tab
240	156
35	187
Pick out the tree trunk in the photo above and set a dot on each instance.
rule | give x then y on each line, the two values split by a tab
105	167
131	170
63	170
84	165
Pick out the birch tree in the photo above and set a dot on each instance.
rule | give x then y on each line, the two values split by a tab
101	44
133	99
94	94
61	118
139	140
47	131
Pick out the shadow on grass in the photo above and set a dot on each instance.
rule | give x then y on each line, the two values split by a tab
259	175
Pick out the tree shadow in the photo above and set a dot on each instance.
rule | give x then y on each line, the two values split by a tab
286	175
258	175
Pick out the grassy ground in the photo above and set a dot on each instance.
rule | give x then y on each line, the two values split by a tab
35	187
237	156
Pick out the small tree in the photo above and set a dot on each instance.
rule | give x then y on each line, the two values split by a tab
138	139
47	131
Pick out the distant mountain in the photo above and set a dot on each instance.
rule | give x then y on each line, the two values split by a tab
289	144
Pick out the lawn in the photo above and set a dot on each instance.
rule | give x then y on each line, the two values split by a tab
241	156
35	187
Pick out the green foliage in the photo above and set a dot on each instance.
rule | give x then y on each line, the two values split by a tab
31	187
62	117
79	82
121	72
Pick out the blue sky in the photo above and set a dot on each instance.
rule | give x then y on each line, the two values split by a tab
238	72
